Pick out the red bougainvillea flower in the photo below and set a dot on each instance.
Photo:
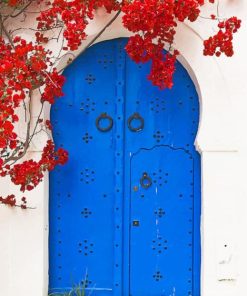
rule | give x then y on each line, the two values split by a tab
9	200
7	136
30	173
221	42
162	71
154	23
74	15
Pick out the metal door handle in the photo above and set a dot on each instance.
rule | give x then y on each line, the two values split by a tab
145	181
99	121
136	116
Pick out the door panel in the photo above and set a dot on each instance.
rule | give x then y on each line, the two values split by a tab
161	222
125	210
164	146
82	195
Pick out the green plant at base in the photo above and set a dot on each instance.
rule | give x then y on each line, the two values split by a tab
77	290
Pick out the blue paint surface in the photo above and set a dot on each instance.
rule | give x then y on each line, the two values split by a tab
125	210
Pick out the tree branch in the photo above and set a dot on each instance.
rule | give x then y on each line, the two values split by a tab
96	37
5	31
22	10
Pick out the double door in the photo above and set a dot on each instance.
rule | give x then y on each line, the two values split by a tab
125	209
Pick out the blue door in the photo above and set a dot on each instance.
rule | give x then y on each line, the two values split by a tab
125	209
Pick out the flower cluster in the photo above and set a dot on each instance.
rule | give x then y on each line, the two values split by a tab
154	24
30	173
162	71
222	41
24	67
9	200
74	15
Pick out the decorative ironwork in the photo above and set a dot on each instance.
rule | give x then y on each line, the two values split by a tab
100	119
160	178
136	117
158	105
105	61
86	247
145	181
159	245
88	106
86	213
87	138
86	282
90	79
158	136
158	276
159	212
87	176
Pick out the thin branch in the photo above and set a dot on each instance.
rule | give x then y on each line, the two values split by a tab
6	32
22	10
37	30
218	8
37	122
29	137
97	36
26	143
19	206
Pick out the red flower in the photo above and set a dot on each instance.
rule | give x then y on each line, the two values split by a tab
162	71
221	42
9	200
30	173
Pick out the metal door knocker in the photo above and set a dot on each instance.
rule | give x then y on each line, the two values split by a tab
136	117
100	119
145	181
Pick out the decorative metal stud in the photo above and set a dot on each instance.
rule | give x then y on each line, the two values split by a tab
159	245
158	276
87	138
105	61
86	282
86	213
87	176
159	212
86	247
90	79
157	105
88	106
160	178
135	188
158	136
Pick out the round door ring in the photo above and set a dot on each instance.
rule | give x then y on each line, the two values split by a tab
136	116
145	181
104	116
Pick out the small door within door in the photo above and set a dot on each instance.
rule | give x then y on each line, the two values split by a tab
161	239
125	210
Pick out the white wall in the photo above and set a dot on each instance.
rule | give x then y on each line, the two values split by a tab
222	141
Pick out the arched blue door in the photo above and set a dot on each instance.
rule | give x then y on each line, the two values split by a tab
125	210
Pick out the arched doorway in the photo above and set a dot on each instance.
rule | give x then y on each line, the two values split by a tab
125	210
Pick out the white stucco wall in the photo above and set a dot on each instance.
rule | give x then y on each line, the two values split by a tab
222	142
